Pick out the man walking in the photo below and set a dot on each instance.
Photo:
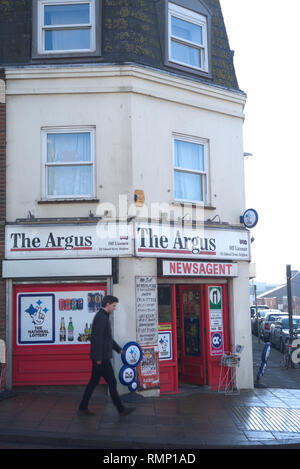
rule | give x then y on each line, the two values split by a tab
102	345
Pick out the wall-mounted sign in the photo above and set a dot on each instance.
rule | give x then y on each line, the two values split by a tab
68	241
173	268
216	320
146	310
250	218
164	240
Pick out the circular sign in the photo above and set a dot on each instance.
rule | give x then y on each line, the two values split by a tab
250	218
133	386
126	375
132	355
216	340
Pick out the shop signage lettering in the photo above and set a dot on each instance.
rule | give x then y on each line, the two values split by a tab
95	240
203	269
158	240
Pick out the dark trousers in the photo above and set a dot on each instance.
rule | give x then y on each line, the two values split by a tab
106	371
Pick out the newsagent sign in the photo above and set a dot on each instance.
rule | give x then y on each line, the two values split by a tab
174	268
68	241
163	240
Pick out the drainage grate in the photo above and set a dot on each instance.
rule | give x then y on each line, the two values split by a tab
277	419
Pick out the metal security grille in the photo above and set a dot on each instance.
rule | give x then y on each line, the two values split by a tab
268	418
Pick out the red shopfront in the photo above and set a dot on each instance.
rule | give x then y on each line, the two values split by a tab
51	327
194	322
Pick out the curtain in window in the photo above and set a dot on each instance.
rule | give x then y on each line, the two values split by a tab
188	156
67	39
190	32
186	31
185	54
69	179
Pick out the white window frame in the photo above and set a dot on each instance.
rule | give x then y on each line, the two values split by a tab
42	28
204	174
194	18
46	164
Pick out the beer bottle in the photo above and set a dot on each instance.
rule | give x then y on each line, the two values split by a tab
70	330
62	335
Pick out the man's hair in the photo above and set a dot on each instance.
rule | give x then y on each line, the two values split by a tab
109	299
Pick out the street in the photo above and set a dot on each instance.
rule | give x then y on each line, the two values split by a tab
275	376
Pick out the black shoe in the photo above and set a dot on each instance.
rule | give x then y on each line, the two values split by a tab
85	413
127	411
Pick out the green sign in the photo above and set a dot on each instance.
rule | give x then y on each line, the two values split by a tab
215	297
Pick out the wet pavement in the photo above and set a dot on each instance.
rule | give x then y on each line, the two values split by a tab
198	418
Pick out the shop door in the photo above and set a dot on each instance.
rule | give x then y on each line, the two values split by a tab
167	339
191	300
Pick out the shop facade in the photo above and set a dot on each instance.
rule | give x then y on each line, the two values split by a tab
128	178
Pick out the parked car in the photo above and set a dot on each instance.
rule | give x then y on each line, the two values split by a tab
256	320
279	331
270	318
254	308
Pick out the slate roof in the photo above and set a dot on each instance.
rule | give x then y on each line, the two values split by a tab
130	34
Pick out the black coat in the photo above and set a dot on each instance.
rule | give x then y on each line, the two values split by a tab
102	343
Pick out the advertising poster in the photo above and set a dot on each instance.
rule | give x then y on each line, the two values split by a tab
59	317
165	345
148	369
216	321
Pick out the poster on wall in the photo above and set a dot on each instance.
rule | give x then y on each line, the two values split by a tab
165	345
60	317
216	321
146	310
36	318
148	369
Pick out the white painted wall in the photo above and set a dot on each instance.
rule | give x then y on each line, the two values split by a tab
135	112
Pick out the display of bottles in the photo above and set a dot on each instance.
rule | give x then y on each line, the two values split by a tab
70	330
62	331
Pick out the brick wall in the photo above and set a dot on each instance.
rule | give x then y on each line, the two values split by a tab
2	198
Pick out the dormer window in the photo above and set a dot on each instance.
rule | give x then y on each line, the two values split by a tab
185	32
66	28
187	38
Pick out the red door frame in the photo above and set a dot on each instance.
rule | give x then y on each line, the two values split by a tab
193	366
49	364
211	362
214	357
168	369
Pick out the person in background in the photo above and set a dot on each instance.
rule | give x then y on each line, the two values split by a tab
102	345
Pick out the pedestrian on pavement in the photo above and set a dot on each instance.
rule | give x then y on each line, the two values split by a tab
102	345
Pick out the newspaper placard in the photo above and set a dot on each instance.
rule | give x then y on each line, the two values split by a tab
146	310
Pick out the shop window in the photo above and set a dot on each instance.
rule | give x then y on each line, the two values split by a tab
69	163
66	28
164	304
190	170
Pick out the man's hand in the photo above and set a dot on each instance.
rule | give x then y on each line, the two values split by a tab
98	363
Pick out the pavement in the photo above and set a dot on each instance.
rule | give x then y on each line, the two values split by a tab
197	418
